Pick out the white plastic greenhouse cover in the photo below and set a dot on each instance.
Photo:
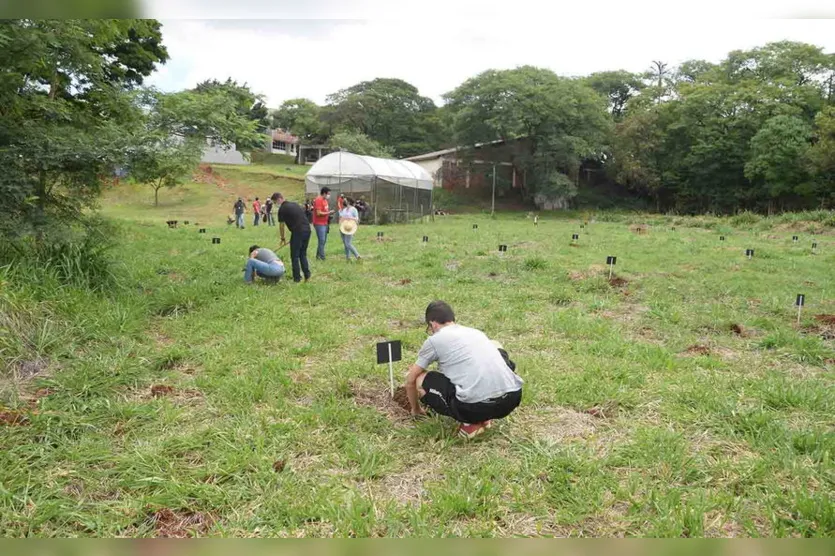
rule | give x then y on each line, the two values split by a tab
344	166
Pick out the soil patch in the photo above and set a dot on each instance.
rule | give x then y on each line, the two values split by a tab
26	369
739	330
405	281
279	465
381	400
180	524
159	390
12	418
401	398
698	349
618	282
603	411
826	319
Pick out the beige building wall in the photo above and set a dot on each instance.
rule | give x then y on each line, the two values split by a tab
432	166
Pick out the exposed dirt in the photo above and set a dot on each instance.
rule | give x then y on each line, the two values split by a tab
574	245
492	274
405	281
402	399
826	319
13	418
279	465
739	330
381	400
698	349
180	524
43	392
205	174
159	390
640	229
618	282
575	275
603	411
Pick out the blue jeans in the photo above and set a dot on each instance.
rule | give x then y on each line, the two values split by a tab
240	220
298	254
257	218
270	219
322	238
349	247
265	270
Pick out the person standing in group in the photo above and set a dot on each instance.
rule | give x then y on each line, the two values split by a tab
240	209
321	219
292	215
256	209
268	209
348	224
340	202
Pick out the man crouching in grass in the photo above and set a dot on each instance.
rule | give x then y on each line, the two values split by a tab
475	381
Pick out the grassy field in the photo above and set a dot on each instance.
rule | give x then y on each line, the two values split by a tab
681	399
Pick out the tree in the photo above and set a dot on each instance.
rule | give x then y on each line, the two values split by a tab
358	143
301	117
822	156
659	76
563	120
389	111
618	87
165	163
67	116
246	105
778	157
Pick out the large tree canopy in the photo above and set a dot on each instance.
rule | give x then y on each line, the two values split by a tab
389	111
66	111
564	120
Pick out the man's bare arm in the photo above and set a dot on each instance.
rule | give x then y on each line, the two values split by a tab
415	372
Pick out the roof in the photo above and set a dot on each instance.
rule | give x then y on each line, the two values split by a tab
281	135
438	154
346	166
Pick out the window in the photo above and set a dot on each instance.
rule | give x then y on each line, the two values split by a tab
280	145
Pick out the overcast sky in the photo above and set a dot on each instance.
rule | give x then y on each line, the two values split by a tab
284	50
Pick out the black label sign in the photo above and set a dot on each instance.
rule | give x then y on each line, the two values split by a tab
814	245
215	240
185	222
749	253
794	238
425	239
379	234
801	300
383	351
502	248
171	223
475	226
575	236
721	238
201	231
611	260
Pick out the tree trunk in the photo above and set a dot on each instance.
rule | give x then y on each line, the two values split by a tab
156	196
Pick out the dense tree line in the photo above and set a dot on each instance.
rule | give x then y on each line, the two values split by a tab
753	132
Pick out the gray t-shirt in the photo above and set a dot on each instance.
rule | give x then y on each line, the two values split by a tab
267	256
470	361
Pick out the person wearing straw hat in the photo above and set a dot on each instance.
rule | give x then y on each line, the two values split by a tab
348	223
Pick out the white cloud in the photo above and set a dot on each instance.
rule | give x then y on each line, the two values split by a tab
441	45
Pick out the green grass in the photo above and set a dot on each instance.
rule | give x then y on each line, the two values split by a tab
706	432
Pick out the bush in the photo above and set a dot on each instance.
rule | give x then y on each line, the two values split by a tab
77	256
260	157
535	263
745	219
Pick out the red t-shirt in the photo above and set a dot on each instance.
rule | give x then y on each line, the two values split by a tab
256	206
320	204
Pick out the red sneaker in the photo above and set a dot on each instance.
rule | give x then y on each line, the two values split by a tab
469	431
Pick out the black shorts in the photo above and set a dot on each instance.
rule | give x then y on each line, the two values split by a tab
440	396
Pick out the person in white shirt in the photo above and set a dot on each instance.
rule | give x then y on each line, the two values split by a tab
348	223
475	382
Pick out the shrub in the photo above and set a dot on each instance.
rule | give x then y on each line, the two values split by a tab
535	263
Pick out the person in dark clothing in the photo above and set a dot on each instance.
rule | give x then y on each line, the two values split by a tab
240	209
292	215
268	208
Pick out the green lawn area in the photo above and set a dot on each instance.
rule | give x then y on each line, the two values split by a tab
681	400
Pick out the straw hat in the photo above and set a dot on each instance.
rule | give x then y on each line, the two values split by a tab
348	227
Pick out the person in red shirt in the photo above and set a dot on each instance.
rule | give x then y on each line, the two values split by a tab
256	208
321	216
340	202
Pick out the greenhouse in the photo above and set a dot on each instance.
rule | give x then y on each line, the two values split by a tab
393	190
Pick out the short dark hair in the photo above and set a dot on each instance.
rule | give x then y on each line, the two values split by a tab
440	312
251	249
349	201
324	190
276	196
256	198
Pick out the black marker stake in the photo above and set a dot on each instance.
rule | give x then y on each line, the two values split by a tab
475	226
389	352
721	238
800	302
749	253
814	247
425	239
611	261
574	238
